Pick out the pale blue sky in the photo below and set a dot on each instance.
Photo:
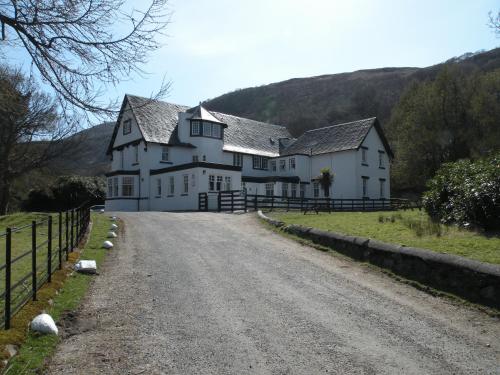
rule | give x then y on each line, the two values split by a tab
216	46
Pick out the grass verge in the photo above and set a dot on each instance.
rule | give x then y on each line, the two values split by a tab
415	284
62	295
409	228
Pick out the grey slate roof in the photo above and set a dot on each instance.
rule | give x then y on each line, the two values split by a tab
156	119
201	114
334	138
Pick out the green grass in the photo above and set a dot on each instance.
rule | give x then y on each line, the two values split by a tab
71	289
20	223
409	228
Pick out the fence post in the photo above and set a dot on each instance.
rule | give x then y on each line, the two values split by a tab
49	249
232	201
60	239
72	226
272	202
219	202
67	234
8	255
255	202
246	203
77	226
288	203
33	259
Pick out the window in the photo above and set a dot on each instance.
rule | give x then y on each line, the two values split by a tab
291	164
211	183
207	129
302	190
216	131
128	186
127	127
158	187
382	187
122	159
381	159
171	185
238	160
193	180
365	186
227	183
186	183
110	187
115	186
195	158
204	158
259	162
282	165
273	165
364	155
294	190
284	189
219	183
244	187
195	128
164	153
136	154
211	130
316	189
269	189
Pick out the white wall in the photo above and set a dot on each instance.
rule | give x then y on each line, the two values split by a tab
133	135
372	170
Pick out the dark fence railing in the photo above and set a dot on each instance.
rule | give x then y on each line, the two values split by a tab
33	252
237	200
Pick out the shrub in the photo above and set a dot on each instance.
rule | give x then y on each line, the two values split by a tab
466	193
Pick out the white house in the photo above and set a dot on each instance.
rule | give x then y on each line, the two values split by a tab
163	155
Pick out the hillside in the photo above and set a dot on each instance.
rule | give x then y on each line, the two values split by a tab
307	103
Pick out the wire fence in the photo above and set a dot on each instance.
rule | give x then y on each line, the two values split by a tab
33	252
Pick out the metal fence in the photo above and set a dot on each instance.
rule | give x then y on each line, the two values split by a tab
33	252
237	200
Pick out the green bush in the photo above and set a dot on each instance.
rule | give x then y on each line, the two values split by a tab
466	193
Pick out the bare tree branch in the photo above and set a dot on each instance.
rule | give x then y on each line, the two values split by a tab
79	49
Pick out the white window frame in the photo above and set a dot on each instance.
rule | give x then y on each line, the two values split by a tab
316	189
302	190
365	186
216	131
127	186
195	159
227	183
282	165
294	191
110	187
273	165
381	163
165	153
195	128
171	186
218	183
269	189
136	153
291	163
158	187
116	186
284	189
185	182
127	126
122	159
382	187
364	155
211	182
237	159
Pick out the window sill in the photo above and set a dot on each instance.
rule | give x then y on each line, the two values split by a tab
381	167
184	195
170	196
364	164
133	164
158	196
260	169
165	162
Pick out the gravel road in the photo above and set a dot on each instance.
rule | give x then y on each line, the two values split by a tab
207	293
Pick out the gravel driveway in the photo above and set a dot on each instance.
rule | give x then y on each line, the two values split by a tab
207	293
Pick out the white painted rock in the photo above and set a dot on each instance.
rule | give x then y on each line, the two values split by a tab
86	266
44	323
113	218
112	234
107	244
114	226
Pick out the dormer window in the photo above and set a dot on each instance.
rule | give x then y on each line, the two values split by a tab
195	128
205	129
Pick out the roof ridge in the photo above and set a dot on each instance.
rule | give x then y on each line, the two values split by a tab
343	124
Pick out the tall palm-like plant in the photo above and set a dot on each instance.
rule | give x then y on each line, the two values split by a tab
325	179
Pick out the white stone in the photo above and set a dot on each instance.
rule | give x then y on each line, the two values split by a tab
107	244
114	226
86	266
112	234
44	323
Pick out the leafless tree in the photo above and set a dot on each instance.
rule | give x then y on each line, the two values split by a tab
81	48
32	132
495	22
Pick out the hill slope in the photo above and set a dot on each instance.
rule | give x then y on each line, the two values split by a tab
307	103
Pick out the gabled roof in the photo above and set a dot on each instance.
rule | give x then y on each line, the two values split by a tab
341	137
158	121
201	114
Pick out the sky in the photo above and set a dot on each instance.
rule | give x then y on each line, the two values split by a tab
218	46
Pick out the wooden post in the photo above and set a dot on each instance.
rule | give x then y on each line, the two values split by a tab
72	230
232	201
33	259
8	257
67	234
60	239
255	202
49	249
219	202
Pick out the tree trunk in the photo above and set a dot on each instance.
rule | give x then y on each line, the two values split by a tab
4	196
